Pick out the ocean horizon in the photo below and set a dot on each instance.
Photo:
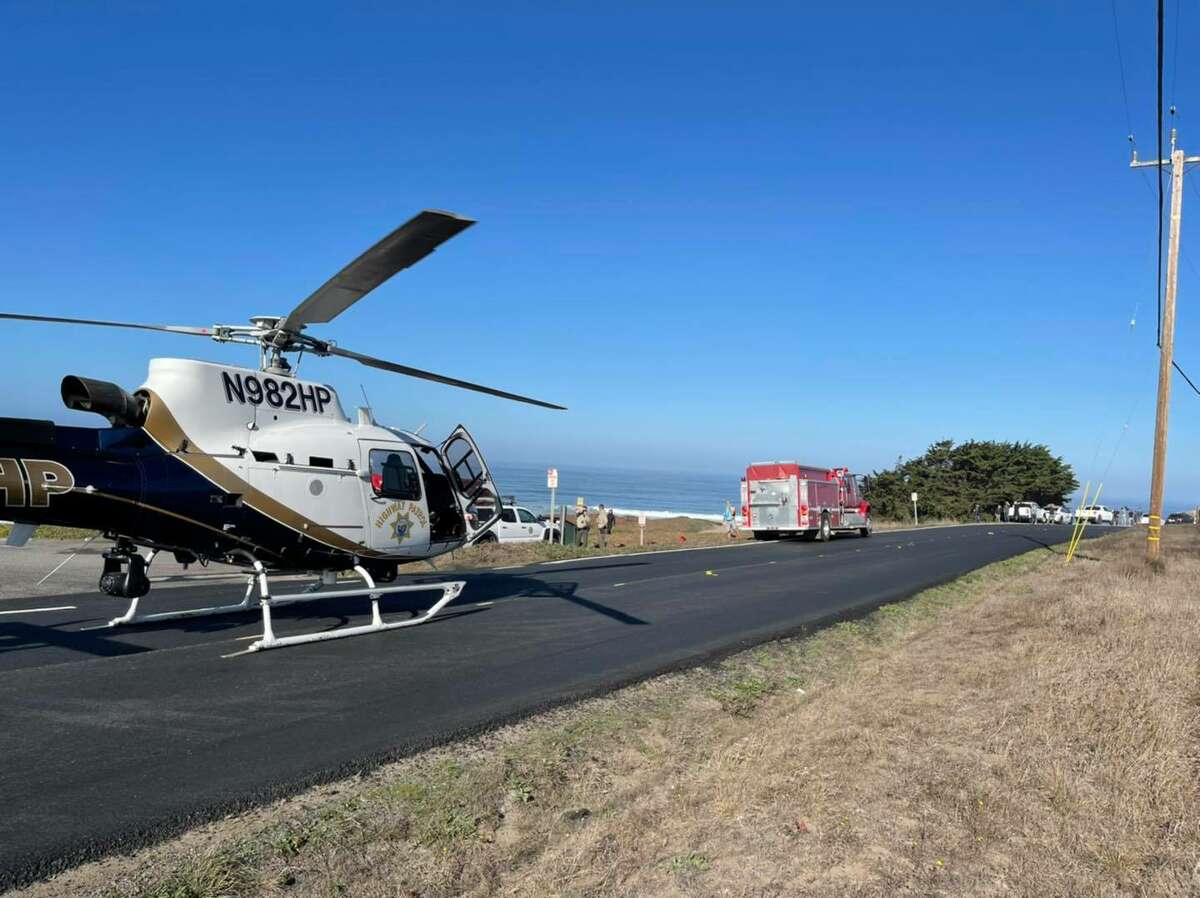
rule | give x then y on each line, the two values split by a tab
626	490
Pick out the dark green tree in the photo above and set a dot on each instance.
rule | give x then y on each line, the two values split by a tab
952	480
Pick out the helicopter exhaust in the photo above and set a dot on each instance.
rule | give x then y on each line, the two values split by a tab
82	394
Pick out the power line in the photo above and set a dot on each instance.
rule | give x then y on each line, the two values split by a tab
1121	66
1158	167
1175	55
1175	364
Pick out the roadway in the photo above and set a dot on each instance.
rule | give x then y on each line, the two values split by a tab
110	739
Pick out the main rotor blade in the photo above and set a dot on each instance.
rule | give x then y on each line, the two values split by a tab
405	246
438	378
168	328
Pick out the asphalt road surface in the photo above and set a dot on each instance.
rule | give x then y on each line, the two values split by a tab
110	739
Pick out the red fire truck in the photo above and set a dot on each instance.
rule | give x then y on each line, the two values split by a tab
785	498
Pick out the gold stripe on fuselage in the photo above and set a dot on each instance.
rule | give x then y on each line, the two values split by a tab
177	516
165	430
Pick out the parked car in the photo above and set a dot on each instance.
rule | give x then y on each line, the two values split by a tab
1095	514
1058	514
1029	513
1180	517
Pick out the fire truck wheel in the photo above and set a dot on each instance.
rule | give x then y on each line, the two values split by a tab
865	531
825	534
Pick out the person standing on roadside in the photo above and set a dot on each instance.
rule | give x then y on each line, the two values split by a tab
581	526
730	520
601	527
612	521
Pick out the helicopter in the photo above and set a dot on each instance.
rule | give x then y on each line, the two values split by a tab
256	467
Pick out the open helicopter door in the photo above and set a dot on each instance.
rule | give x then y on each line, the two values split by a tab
397	507
472	483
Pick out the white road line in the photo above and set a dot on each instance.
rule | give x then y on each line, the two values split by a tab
35	610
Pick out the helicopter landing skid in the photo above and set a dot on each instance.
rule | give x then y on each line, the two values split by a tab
450	591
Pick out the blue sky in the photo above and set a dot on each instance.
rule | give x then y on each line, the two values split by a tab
716	231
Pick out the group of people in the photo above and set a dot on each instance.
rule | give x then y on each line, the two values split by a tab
602	521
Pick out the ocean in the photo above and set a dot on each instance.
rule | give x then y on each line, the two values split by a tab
628	491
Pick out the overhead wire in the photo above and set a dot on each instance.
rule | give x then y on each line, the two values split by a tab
1158	159
1175	55
1121	66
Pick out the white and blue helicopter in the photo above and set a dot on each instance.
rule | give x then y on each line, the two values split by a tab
256	467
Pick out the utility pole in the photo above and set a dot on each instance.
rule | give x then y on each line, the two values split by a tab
1158	477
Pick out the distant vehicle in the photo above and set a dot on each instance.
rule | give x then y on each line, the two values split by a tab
1029	513
1058	514
1181	517
1095	514
785	498
1145	518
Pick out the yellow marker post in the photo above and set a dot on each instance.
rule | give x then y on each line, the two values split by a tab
1095	500
1078	522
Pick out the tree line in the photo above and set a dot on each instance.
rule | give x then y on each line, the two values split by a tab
952	480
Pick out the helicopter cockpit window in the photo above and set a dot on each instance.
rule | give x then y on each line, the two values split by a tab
394	474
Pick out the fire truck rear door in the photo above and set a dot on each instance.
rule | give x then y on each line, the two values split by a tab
773	504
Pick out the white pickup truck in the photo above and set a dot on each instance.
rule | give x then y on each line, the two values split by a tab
516	525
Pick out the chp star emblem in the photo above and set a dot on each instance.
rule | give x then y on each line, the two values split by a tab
402	527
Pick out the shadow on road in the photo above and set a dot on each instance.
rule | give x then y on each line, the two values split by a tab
26	637
317	615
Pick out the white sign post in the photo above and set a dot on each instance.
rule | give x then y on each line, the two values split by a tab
916	523
552	485
641	528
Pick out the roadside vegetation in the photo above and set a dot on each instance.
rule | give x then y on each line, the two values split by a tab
953	480
1028	729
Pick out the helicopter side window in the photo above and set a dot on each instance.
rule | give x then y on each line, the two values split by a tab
394	474
465	467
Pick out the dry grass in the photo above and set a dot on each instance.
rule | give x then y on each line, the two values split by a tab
1030	729
52	531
